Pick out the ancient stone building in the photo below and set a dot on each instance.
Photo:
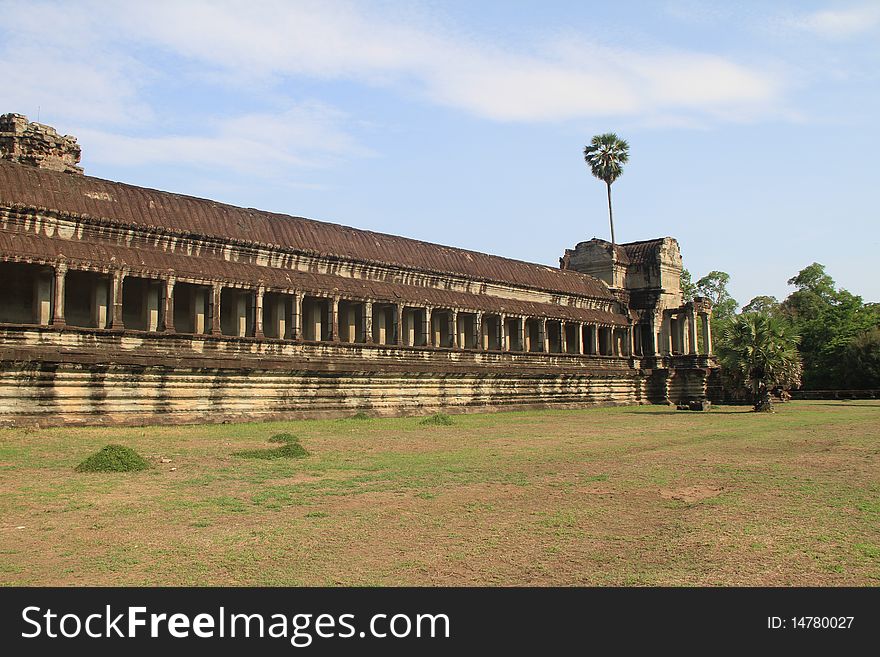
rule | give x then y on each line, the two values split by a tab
120	304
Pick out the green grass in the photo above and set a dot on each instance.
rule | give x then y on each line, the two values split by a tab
113	458
601	496
438	419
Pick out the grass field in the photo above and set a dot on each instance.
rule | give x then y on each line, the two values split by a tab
606	496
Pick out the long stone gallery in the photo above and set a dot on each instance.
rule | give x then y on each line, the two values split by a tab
125	305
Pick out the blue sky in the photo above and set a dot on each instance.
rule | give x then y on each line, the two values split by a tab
752	126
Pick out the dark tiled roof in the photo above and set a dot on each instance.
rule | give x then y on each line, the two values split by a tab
39	249
644	251
29	187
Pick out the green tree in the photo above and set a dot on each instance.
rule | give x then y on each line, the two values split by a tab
714	287
758	351
862	361
829	321
762	304
688	289
606	156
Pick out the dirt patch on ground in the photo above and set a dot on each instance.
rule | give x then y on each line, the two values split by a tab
691	494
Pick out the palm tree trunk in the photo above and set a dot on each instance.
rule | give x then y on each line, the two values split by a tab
610	215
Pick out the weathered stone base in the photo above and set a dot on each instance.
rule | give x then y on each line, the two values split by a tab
91	377
48	394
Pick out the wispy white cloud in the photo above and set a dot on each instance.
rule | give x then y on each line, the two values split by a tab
309	135
97	71
840	23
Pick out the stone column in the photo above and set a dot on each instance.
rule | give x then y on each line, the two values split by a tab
43	298
630	343
99	294
398	324
478	331
296	324
595	346
333	323
58	300
116	300
426	328
199	305
350	323
240	314
707	333
580	329
453	329
692	332
368	322
502	329
216	289
258	312
380	327
563	338
168	305
543	337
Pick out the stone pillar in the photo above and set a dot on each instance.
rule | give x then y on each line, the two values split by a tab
543	337
258	312
99	294
478	332
152	309
692	332
502	329
58	300
426	328
240	314
168	306
563	338
368	322
595	346
350	333
116	300
296	331
630	343
580	331
43	299
380	330
199	304
707	333
216	289
398	324
453	329
333	319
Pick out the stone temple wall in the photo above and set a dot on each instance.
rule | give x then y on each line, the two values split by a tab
50	377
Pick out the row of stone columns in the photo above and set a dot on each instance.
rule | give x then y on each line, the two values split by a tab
462	330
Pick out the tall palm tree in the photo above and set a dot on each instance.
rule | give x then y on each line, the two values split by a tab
606	156
759	351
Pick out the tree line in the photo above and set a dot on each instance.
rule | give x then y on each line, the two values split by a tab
819	337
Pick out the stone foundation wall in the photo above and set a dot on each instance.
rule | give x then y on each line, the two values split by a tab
90	376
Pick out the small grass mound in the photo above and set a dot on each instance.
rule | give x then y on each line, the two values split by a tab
438	419
290	449
114	458
283	438
360	415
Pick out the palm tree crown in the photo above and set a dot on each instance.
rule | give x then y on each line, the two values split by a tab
606	156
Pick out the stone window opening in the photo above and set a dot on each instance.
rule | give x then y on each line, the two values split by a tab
415	329
467	330
513	333
572	338
385	323
192	308
315	322
491	332
277	315
87	299
554	336
141	303
351	321
27	293
441	328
